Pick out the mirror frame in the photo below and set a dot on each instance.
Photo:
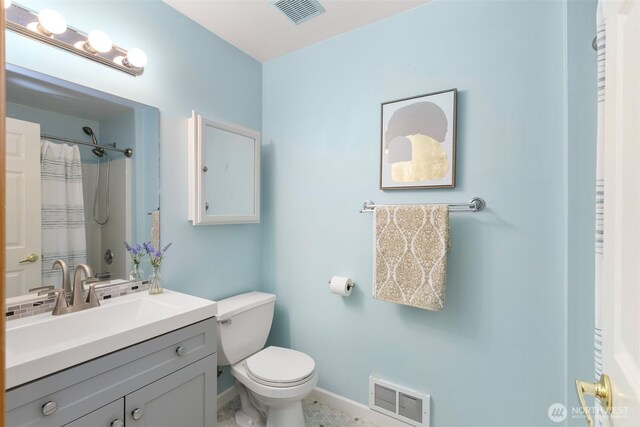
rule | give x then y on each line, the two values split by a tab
197	186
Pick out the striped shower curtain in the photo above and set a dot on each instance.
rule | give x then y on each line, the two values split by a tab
601	48
63	230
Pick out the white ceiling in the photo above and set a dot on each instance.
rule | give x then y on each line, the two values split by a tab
258	28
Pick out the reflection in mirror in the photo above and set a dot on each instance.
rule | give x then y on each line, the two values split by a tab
229	181
224	172
73	201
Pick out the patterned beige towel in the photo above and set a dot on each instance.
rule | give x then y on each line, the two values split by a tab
411	244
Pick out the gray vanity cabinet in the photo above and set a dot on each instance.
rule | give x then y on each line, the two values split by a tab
167	381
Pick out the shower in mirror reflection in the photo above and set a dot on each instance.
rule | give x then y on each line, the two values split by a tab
99	152
121	128
62	208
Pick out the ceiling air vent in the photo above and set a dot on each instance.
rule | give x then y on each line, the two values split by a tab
299	10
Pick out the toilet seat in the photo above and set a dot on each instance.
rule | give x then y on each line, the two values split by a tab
280	367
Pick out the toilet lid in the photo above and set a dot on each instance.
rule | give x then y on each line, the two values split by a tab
280	366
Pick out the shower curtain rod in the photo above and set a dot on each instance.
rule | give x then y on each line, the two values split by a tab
126	151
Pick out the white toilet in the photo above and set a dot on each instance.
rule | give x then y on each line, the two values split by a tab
271	381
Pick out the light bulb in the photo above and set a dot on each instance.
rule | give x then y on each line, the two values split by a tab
7	3
52	22
99	42
136	58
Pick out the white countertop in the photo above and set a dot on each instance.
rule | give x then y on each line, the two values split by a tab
43	344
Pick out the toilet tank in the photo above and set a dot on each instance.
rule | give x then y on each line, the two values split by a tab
244	322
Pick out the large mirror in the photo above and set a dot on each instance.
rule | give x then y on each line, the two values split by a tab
224	163
82	178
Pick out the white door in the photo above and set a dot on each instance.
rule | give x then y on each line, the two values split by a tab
621	264
23	232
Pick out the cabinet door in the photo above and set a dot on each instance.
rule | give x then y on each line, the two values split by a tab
111	415
185	398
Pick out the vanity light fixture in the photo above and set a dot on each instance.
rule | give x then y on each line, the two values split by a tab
49	23
51	28
98	41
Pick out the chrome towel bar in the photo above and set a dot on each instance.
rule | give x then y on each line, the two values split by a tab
476	204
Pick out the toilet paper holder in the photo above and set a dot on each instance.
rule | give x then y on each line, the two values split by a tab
349	286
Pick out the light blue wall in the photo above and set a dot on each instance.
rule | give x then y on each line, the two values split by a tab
581	60
512	335
189	68
495	356
52	123
146	163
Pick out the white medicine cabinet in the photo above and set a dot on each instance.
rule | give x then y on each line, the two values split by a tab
224	172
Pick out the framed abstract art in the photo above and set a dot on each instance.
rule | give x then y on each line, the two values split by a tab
418	142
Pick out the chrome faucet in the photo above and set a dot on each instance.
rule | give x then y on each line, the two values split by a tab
78	287
78	302
61	265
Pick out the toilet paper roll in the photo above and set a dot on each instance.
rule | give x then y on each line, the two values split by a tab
341	286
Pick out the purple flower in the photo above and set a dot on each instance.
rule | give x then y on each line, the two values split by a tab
135	252
156	255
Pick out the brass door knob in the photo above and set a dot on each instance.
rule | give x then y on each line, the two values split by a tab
602	390
30	258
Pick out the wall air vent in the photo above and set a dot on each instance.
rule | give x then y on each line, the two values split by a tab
299	10
399	402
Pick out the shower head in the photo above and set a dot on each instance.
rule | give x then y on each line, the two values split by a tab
89	132
98	151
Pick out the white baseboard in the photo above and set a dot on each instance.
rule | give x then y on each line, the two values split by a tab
333	400
227	396
354	408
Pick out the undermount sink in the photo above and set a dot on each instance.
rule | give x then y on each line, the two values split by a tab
43	344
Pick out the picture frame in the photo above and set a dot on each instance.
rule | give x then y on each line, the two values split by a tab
418	142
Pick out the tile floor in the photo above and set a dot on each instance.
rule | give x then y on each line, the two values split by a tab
316	414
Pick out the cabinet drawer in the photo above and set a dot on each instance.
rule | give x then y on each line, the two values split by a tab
84	388
107	416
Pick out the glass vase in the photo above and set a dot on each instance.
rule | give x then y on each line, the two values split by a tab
155	281
136	274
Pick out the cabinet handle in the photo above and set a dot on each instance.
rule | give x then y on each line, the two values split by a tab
117	423
136	414
181	351
49	408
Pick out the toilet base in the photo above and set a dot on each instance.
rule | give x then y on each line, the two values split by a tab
289	416
286	415
243	420
279	412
